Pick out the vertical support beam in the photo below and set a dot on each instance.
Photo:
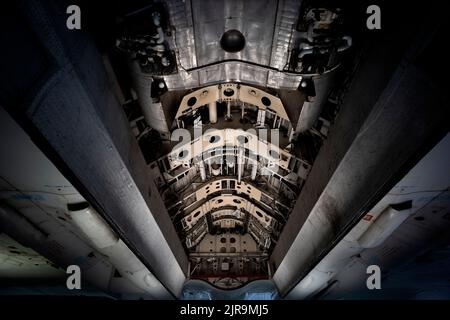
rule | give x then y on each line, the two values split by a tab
201	168
212	107
228	110
261	118
240	163
311	110
254	169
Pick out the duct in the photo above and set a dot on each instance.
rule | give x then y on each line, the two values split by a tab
261	118
385	224
153	111
311	110
92	226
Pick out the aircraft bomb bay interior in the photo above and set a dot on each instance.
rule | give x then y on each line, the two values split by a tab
194	149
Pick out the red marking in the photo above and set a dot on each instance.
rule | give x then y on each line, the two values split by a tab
368	217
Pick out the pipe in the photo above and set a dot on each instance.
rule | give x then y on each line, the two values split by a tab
157	23
386	223
153	111
261	118
304	52
311	110
96	231
201	167
212	107
254	169
348	44
240	164
228	109
86	219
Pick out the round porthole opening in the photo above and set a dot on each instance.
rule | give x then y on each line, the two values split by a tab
266	101
192	101
228	92
232	41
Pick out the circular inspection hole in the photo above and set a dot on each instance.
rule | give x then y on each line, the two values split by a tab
232	41
242	139
192	101
237	201
196	214
223	240
259	214
232	240
214	139
266	101
219	201
228	92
